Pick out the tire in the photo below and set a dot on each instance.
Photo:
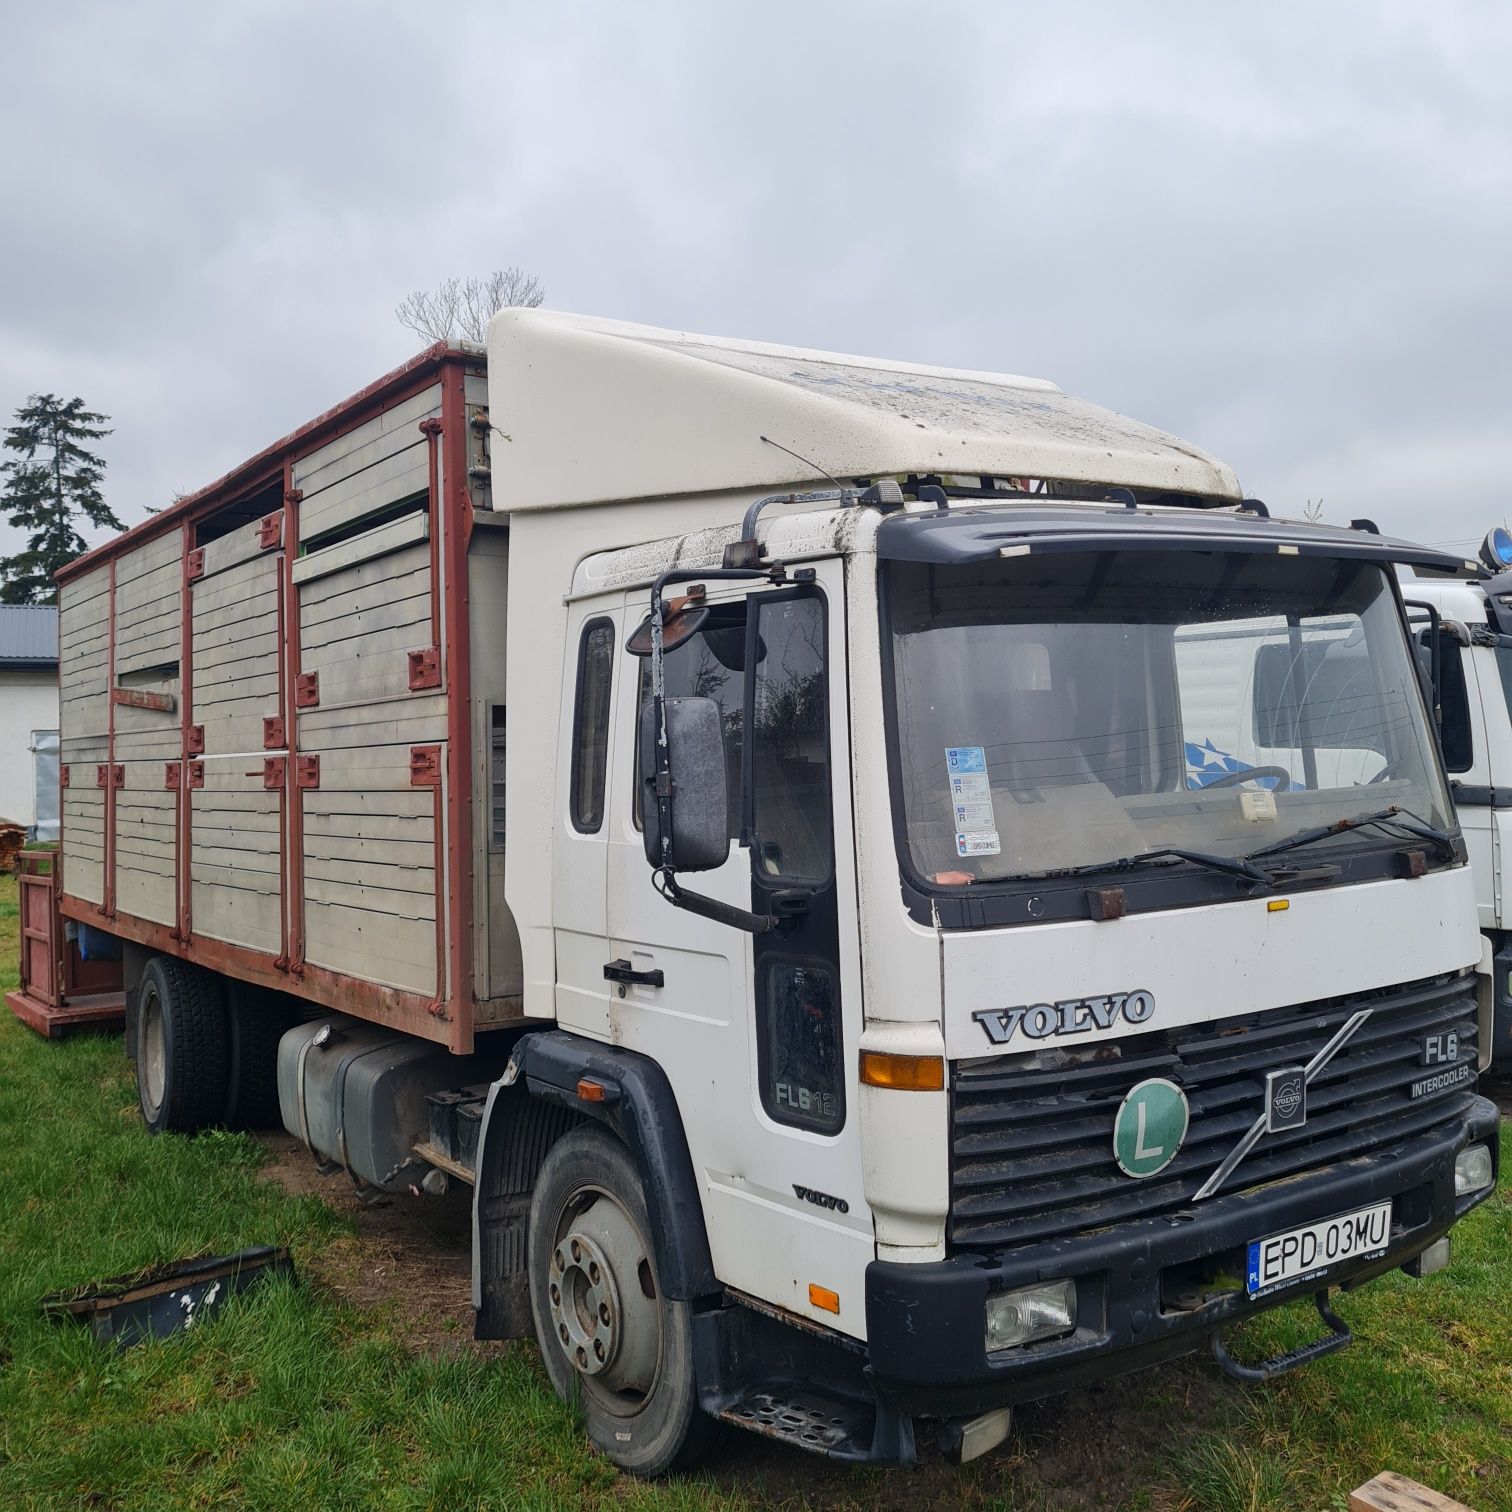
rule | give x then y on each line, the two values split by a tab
255	1022
183	1050
630	1367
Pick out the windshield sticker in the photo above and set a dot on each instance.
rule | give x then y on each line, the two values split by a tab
971	802
966	760
978	843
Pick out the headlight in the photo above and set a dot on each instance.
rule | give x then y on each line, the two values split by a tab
1031	1313
1472	1169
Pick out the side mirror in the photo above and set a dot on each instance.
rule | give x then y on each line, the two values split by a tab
699	799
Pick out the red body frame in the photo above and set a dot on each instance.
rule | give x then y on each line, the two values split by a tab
448	1016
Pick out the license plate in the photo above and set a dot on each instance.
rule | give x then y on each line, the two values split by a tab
1279	1258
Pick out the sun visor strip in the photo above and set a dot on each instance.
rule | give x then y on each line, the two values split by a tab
951	540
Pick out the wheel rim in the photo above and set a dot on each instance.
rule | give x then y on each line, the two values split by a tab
152	1052
602	1298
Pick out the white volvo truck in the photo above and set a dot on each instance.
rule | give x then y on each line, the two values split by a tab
809	911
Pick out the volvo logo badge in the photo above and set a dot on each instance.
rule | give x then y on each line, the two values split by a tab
1071	1016
1285	1099
1281	1088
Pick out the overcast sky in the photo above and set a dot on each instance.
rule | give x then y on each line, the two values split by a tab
1282	231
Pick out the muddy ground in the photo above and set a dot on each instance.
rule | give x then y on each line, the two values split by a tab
411	1259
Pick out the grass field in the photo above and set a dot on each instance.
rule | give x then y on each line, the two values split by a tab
295	1400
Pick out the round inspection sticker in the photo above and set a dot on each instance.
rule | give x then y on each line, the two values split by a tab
1148	1129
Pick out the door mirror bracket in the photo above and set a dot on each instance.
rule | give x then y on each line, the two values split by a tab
683	766
666	883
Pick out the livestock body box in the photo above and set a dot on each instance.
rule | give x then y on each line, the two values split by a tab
278	757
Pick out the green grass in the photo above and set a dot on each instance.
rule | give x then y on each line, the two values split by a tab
294	1401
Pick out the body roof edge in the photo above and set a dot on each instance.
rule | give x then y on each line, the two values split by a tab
270	459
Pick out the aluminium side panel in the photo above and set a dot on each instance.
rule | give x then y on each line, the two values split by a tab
84	727
147	726
368	469
147	606
372	834
236	637
234	811
331	863
234	893
147	745
370	870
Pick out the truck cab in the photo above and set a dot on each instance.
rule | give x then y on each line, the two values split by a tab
1026	867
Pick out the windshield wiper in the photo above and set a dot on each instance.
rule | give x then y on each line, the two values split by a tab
1233	866
1395	816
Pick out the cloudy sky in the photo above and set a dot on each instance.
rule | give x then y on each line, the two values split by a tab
1283	231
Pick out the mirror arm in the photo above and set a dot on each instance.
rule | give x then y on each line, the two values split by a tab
711	908
1435	671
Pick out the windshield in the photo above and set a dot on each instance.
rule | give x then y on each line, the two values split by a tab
1071	710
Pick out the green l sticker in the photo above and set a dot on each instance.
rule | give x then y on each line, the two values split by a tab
1150	1124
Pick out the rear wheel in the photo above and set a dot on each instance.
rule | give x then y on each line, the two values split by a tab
255	1022
609	1338
182	1054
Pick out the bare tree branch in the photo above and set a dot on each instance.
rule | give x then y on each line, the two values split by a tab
460	309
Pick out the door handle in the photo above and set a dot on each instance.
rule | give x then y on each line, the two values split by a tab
622	971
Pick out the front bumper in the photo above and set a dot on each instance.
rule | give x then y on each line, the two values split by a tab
925	1323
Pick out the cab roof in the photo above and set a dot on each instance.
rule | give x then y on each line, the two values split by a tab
589	411
974	533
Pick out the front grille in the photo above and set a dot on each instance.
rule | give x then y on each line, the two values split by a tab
1032	1149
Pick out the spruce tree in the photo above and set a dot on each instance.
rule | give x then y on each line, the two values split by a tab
51	482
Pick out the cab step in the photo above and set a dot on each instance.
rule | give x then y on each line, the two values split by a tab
808	1422
855	1432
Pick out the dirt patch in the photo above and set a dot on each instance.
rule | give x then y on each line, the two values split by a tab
1089	1449
411	1257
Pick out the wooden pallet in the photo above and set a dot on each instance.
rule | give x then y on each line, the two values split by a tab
1390	1492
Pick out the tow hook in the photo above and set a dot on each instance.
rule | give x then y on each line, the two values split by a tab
1336	1339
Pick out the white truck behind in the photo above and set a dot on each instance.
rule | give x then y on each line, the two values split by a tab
1474	659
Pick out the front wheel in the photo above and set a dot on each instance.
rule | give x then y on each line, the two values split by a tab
609	1338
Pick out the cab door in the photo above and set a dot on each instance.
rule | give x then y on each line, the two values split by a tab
758	1034
580	849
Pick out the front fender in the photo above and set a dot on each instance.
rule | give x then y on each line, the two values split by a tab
528	1109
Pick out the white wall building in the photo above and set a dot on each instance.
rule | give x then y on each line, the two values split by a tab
28	707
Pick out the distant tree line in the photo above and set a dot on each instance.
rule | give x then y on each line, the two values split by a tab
52	481
53	477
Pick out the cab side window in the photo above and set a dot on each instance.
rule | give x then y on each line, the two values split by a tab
790	778
710	664
590	725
